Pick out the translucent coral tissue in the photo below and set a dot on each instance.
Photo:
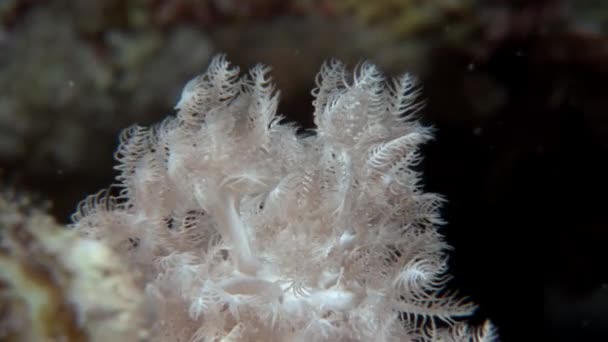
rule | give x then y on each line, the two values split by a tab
244	230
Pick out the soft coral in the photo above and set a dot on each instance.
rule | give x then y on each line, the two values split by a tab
324	237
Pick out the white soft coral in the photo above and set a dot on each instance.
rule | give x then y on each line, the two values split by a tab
246	231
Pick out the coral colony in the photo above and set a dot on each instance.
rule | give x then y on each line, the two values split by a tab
239	228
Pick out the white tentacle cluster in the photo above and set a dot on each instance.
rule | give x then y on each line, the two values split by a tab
245	230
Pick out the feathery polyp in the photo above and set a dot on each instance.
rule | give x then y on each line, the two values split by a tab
255	233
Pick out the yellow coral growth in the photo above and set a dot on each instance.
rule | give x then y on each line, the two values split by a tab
404	17
57	286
